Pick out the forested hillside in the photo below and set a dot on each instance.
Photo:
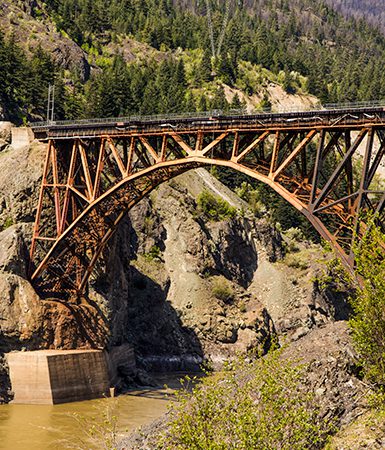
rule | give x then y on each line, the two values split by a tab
373	11
304	45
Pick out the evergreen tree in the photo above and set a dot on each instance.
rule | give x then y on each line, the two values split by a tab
219	100
236	103
205	69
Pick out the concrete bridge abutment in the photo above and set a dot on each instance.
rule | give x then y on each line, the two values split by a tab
62	376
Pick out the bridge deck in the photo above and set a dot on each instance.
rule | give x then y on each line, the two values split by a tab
350	116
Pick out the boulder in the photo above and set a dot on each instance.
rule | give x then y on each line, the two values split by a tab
6	132
21	312
13	250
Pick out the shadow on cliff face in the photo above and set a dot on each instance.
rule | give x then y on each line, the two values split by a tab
333	301
136	300
152	325
156	330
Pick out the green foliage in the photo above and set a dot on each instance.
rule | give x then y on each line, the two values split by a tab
368	322
330	52
215	208
288	83
293	236
321	52
335	277
251	195
297	261
22	81
138	88
265	103
263	199
257	405
154	253
242	307
222	289
7	223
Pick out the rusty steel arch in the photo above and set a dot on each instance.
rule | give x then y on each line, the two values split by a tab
324	163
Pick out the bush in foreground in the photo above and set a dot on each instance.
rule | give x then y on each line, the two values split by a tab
257	405
368	322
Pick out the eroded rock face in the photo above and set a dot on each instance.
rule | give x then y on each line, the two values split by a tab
21	311
20	176
172	311
14	250
332	373
26	320
6	132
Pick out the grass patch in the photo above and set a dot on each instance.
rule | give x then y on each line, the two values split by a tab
222	289
297	261
154	253
7	223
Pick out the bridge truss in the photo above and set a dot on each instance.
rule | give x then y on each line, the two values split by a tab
325	163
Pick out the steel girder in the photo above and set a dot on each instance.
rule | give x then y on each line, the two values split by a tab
329	173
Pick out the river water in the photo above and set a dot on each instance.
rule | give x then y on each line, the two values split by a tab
55	427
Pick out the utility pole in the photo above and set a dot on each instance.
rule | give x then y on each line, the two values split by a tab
211	28
216	50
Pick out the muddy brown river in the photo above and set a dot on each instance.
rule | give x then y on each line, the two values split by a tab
57	427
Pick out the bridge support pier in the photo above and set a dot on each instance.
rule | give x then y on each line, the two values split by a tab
58	376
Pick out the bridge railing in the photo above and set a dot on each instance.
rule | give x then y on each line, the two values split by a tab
212	114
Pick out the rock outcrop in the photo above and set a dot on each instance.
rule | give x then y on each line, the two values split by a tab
5	134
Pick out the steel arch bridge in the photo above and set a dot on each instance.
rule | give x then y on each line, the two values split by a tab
324	162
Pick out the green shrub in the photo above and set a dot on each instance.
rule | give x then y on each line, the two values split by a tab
215	208
297	261
368	322
242	307
295	234
335	276
7	223
154	253
258	405
222	289
253	197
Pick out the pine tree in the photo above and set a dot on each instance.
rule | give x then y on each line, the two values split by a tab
236	102
205	69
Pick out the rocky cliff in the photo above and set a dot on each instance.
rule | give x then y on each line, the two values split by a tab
177	286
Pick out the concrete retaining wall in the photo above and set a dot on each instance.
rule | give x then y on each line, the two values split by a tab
21	137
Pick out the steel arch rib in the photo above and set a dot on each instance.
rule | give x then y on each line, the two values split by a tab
185	165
